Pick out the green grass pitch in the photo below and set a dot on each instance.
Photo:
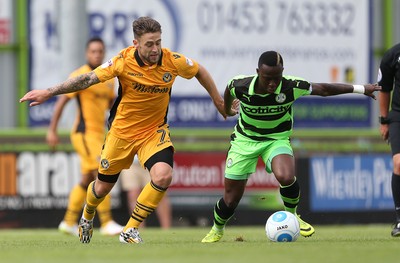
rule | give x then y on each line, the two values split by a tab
361	243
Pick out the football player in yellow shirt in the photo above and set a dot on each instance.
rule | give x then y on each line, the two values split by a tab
138	119
87	137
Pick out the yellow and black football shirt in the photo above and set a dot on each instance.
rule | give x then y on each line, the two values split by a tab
144	91
93	103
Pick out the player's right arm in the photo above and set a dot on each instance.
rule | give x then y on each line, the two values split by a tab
386	75
78	83
231	104
52	136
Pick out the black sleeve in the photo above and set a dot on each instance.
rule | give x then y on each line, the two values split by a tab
387	71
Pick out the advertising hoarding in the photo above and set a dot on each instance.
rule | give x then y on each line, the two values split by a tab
351	183
321	41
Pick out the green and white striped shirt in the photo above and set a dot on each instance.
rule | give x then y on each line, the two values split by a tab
267	116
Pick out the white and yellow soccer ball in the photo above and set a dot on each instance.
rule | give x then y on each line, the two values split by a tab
282	226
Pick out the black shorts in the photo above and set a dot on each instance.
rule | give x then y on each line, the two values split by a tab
166	156
394	137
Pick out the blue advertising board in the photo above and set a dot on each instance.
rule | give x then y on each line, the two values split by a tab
351	183
345	111
334	112
189	111
200	112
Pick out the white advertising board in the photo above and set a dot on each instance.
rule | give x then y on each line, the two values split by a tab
320	40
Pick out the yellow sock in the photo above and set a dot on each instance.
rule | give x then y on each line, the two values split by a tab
104	210
146	203
92	201
75	204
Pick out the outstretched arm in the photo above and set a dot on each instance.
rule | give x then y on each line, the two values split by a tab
208	83
330	89
70	85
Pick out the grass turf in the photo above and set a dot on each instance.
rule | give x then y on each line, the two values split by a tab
362	243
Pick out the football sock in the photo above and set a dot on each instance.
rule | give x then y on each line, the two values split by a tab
146	203
222	214
290	195
75	203
92	201
104	210
396	194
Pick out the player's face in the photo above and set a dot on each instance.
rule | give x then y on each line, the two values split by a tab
149	47
269	78
95	54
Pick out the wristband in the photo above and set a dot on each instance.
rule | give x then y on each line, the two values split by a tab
359	89
383	120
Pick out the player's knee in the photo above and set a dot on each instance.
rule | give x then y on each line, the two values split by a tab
285	179
161	174
231	203
396	164
162	180
104	184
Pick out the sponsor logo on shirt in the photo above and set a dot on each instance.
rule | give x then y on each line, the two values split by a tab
189	62
150	89
107	64
135	74
379	78
247	97
268	109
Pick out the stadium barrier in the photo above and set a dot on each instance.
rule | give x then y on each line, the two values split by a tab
336	188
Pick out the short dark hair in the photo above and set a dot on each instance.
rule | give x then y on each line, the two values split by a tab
144	25
270	58
94	39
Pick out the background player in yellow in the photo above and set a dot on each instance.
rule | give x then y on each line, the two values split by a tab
133	180
87	137
138	120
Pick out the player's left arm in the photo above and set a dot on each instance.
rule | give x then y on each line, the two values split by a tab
330	89
205	79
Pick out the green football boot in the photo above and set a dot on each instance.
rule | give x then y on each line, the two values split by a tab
213	236
306	230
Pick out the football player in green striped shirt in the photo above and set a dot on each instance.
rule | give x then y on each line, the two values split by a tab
263	130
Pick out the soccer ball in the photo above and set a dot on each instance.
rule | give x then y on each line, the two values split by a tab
282	226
